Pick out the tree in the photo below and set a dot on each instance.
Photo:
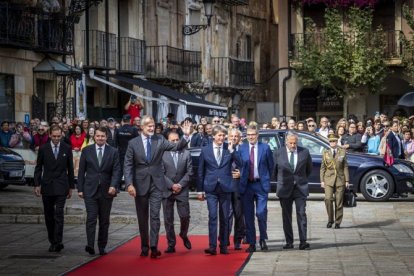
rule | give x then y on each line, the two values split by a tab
343	61
408	46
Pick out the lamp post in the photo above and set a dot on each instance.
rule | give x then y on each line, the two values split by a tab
208	12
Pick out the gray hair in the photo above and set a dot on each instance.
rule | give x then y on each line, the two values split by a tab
291	134
219	128
235	130
146	119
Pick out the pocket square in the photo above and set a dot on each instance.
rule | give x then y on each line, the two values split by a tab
64	154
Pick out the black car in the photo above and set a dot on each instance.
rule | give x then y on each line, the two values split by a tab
368	174
12	168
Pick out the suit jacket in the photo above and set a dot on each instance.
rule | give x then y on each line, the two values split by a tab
92	178
395	146
139	172
287	179
210	173
196	140
265	165
55	176
180	175
334	171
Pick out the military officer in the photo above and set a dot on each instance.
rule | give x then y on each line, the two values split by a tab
334	178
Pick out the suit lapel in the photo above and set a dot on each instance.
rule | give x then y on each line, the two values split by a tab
141	147
105	156
154	142
259	152
212	153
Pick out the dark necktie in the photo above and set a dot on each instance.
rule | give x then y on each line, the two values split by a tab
148	149
334	153
99	156
292	161
251	164
55	152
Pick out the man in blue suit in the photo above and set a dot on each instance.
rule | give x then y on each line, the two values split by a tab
256	170
395	142
215	179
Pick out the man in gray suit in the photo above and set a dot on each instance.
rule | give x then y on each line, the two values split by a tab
177	170
145	181
98	180
293	165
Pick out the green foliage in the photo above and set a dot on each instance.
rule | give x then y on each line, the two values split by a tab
344	61
408	45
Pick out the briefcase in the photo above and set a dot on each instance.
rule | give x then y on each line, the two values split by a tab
350	198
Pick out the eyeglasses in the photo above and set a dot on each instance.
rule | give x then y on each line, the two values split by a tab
386	125
311	125
215	121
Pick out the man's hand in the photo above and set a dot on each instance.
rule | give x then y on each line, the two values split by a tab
187	128
230	146
235	174
111	191
323	185
131	191
176	188
347	184
201	197
69	194
37	191
80	194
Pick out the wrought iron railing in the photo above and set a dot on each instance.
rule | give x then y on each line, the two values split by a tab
393	46
235	2
173	63
131	55
231	72
33	29
102	49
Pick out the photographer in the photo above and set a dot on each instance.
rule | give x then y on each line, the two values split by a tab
371	140
134	107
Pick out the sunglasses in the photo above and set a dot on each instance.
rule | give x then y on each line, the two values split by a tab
311	125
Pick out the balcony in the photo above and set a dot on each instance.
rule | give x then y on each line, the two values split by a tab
131	56
32	29
173	63
393	48
233	73
100	50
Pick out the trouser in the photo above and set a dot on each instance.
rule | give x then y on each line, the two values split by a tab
183	209
54	217
287	205
236	212
338	191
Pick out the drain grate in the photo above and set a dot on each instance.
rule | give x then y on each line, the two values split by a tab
33	257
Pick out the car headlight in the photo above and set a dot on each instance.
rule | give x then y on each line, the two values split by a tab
403	168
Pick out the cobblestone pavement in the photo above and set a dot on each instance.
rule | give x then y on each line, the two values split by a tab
375	238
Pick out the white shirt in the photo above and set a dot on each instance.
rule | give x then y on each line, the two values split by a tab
144	141
256	149
324	131
295	156
97	149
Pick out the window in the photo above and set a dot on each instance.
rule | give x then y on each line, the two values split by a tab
313	146
6	97
248	47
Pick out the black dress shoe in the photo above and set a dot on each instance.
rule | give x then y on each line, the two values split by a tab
304	246
155	253
329	225
144	253
251	248
90	250
237	246
244	241
337	226
170	249
187	242
224	251
210	251
102	252
59	247
52	248
263	245
288	246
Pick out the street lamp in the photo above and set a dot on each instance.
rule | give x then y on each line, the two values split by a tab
208	12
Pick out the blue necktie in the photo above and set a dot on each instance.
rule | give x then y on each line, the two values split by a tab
148	148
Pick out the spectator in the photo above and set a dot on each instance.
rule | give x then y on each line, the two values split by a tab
103	123
77	138
197	137
371	140
311	127
123	135
340	132
137	123
85	126
5	134
243	124
159	128
344	123
323	127
111	132
360	128
275	123
291	124
235	122
408	144
352	140
21	139
134	107
395	142
89	138
215	121
301	126
208	137
203	121
41	137
283	125
378	130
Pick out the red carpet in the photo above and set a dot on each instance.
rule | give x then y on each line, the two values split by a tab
125	260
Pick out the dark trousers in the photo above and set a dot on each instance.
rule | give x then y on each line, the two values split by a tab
300	204
54	209
148	207
183	209
218	202
236	212
255	194
98	208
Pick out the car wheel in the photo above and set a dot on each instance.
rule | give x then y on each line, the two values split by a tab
2	186
377	185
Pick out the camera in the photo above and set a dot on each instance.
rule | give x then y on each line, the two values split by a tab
369	123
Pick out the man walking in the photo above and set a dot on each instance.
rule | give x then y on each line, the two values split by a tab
145	181
177	170
98	180
54	181
293	167
257	166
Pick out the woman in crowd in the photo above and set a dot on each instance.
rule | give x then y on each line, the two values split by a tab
300	126
21	139
283	125
89	138
77	138
342	123
372	141
340	131
41	137
85	126
360	128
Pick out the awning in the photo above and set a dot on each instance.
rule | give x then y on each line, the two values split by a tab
195	106
49	65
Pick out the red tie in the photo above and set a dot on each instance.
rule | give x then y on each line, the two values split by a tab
251	165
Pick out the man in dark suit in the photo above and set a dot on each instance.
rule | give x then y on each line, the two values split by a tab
257	165
293	167
215	179
395	142
177	170
145	181
54	181
98	180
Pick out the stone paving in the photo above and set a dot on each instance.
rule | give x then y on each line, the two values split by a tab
375	238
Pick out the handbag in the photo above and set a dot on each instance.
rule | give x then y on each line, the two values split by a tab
350	198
